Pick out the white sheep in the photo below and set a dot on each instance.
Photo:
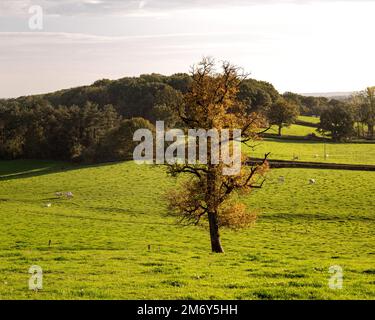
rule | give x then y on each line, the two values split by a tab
48	205
316	156
312	181
59	194
69	194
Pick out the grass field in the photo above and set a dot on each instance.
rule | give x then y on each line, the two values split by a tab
314	120
100	238
295	130
354	153
298	130
305	150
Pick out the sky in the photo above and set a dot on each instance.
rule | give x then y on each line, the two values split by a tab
303	46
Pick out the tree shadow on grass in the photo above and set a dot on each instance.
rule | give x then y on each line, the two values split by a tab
20	169
323	216
303	140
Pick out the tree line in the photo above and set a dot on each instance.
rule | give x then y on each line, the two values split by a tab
344	119
96	122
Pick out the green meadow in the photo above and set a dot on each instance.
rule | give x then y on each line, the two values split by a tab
113	240
88	86
314	120
311	150
282	149
295	130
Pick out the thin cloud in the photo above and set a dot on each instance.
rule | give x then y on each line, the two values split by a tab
58	37
131	7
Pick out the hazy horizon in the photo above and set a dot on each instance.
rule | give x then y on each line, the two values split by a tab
315	94
300	46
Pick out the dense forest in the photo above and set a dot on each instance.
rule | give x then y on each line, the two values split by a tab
96	122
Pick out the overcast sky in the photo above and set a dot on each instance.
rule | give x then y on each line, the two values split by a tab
301	46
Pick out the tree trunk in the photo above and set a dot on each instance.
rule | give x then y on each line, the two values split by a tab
212	204
358	130
214	233
280	127
370	130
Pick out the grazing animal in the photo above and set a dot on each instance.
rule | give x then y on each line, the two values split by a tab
48	205
281	179
69	194
59	194
312	181
295	157
316	156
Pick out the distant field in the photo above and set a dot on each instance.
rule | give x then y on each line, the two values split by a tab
295	130
309	119
361	153
100	238
298	130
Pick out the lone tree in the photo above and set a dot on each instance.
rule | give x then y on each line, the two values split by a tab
208	194
368	110
282	113
337	121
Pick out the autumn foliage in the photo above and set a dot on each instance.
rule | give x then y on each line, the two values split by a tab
207	194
